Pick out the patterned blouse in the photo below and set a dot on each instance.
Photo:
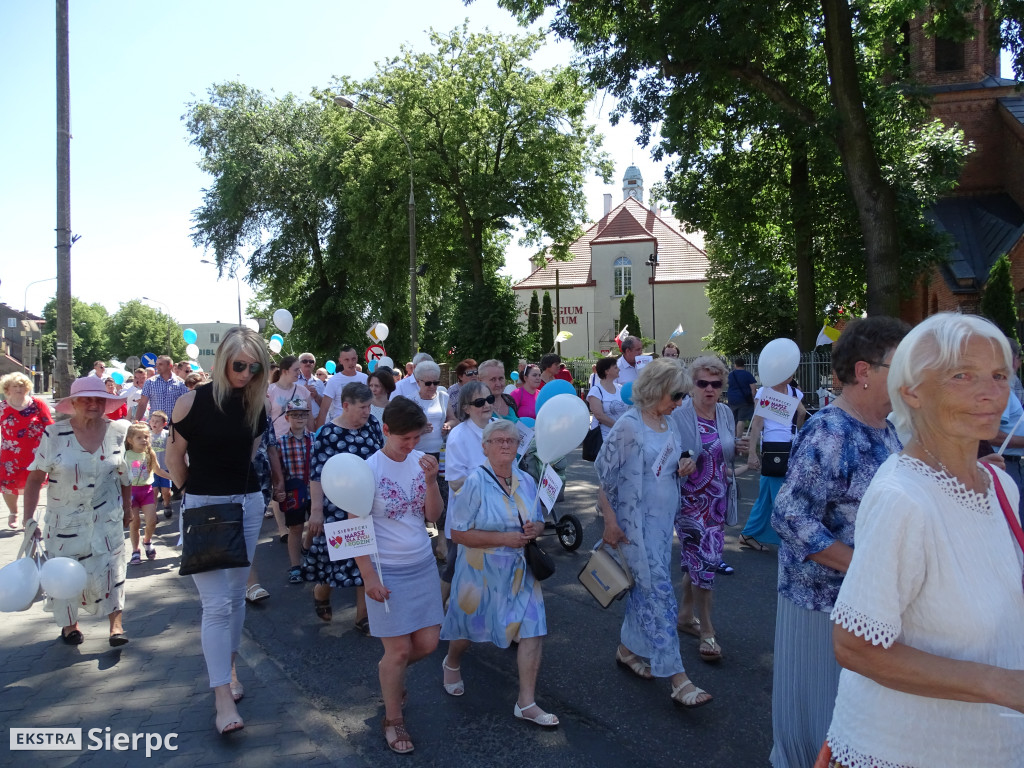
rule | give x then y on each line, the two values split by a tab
834	459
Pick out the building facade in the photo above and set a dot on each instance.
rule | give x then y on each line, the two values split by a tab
631	248
208	338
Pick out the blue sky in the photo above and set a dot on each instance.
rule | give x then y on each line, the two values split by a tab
134	68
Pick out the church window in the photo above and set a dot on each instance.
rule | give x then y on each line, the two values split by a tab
622	277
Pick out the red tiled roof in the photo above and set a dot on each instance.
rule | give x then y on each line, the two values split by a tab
681	258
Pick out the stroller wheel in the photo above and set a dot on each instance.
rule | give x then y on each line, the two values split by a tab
570	532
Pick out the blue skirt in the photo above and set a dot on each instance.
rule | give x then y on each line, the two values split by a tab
415	600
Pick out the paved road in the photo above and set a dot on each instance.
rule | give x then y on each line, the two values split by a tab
312	693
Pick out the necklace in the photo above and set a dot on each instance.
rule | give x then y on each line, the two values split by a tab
662	424
936	459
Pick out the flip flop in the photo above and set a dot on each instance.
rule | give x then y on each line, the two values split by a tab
709	650
689	627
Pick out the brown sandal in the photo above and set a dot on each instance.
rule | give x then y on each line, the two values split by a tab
400	735
323	609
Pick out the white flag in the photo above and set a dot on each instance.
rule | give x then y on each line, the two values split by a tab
563	336
677	332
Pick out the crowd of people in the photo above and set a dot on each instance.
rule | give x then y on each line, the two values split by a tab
900	551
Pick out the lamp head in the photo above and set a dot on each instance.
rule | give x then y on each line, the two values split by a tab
341	101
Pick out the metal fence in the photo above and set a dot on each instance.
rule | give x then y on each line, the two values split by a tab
813	373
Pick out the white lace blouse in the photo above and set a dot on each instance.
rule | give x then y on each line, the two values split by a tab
936	567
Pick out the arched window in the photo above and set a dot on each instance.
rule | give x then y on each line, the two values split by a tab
622	276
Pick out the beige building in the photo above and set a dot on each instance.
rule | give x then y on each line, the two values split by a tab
622	252
208	338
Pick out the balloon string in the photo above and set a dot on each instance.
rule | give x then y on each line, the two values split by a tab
1010	434
380	576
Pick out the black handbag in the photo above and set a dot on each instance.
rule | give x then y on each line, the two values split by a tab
213	538
775	458
540	563
592	444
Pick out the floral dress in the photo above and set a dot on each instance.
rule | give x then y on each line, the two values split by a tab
20	433
700	521
495	598
84	516
331	440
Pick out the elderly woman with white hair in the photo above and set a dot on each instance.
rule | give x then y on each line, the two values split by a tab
433	403
495	598
929	619
638	469
707	497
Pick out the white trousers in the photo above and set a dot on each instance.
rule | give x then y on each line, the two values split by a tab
223	592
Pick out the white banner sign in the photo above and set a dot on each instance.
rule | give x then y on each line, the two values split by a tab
350	538
525	436
641	361
776	406
550	485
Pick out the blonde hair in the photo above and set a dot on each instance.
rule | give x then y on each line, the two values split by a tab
708	363
664	376
242	340
135	430
17	377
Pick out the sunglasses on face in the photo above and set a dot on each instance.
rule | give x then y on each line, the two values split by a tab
254	368
701	384
470	373
306	362
678	396
481	401
430	383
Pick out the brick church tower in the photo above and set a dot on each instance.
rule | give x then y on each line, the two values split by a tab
985	213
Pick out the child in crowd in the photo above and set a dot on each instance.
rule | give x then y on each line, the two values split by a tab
295	446
158	439
140	464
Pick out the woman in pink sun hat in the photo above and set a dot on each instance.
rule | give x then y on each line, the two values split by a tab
88	504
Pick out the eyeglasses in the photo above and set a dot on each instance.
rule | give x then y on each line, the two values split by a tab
701	384
677	396
470	373
880	365
481	401
238	366
504	442
306	362
430	383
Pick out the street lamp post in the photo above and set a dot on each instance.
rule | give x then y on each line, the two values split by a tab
652	262
155	301
238	287
341	101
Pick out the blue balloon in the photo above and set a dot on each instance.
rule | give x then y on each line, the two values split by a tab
552	388
278	337
331	366
118	377
515	375
531	423
189	336
626	393
194	366
372	365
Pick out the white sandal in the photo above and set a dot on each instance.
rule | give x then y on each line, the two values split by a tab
546	719
256	593
690	700
452	689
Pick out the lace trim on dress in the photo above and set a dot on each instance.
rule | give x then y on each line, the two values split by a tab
851	758
878	632
953	488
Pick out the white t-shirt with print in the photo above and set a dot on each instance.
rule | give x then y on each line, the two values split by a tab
398	500
333	389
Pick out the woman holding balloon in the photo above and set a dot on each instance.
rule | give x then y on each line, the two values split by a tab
401	580
88	504
638	469
354	431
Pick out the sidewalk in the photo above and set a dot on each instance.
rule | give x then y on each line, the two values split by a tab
157	684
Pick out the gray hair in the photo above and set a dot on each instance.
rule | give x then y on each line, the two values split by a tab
664	376
501	425
631	341
492	363
935	345
356	392
426	368
469	392
708	363
419	357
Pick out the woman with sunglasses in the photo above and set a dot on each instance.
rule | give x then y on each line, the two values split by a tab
525	397
771	436
216	430
638	469
463	454
707	497
465	372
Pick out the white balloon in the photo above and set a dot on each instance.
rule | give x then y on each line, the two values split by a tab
348	482
192	351
381	331
778	361
561	425
19	582
283	320
62	578
251	324
275	346
386	361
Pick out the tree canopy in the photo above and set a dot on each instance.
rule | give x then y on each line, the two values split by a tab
88	334
137	328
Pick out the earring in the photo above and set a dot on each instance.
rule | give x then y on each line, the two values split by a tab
865	385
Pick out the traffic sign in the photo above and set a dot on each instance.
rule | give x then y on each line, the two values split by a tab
149	360
375	352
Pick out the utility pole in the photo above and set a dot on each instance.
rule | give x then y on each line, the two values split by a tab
558	312
63	371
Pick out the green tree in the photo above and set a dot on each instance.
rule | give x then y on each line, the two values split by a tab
689	64
533	329
487	323
628	316
88	334
137	328
998	302
547	327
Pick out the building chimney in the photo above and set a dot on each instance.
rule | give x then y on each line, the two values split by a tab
655	208
607	203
